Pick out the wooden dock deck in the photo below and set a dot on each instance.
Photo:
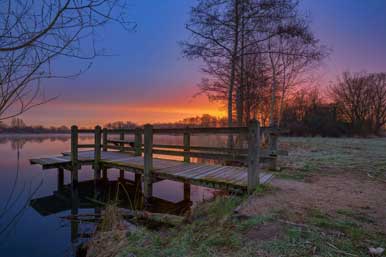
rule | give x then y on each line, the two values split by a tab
241	173
214	176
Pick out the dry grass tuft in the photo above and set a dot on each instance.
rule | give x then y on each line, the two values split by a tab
111	236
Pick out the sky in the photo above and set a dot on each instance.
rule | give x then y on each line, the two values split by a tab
145	79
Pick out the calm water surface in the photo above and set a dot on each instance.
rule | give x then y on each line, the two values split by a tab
31	208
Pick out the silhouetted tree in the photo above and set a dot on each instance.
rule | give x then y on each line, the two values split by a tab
238	41
33	34
377	83
354	97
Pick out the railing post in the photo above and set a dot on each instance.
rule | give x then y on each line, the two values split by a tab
122	145
138	142
104	148
253	155
138	152
186	147
97	152
148	162
273	150
104	132
121	137
187	160
74	157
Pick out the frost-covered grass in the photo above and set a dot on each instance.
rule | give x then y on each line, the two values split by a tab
329	155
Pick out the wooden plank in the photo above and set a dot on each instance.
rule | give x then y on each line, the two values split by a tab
50	160
191	171
204	173
207	173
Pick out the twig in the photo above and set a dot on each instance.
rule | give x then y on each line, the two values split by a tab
340	251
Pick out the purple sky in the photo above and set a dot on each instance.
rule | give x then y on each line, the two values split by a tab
147	80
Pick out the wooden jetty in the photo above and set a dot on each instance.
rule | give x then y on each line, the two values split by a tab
140	156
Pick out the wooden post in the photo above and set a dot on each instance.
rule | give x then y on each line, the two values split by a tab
138	182
148	162
104	149
121	137
74	181
138	152
60	179
186	192
122	145
74	157
253	155
138	142
187	160
273	150
187	147
104	173
104	139
97	152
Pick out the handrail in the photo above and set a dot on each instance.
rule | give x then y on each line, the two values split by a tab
86	131
143	143
191	130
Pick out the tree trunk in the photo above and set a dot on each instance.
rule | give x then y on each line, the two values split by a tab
272	121
233	71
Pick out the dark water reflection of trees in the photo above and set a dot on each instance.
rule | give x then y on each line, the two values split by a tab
17	141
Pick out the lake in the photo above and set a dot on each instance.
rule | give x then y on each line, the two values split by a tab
32	208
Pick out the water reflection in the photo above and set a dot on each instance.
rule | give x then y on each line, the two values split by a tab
17	141
92	195
55	199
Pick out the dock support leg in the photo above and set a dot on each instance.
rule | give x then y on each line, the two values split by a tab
187	160
138	182
97	152
104	174
253	155
273	138
148	163
186	192
74	161
121	174
60	179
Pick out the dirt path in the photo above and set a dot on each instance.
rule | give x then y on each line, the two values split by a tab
330	194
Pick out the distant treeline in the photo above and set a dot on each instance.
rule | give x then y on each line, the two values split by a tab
17	125
204	120
354	106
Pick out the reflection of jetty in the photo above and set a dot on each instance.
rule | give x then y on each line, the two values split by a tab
93	195
137	156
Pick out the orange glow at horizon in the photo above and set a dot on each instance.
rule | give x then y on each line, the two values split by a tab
91	114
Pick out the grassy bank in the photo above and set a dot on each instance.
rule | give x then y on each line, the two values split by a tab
326	156
215	230
328	201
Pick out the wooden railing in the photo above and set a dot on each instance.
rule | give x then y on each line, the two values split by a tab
143	144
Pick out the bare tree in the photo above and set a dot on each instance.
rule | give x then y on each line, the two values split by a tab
303	56
34	34
353	96
239	42
377	84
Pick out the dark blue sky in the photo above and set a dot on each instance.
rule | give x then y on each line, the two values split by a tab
147	80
